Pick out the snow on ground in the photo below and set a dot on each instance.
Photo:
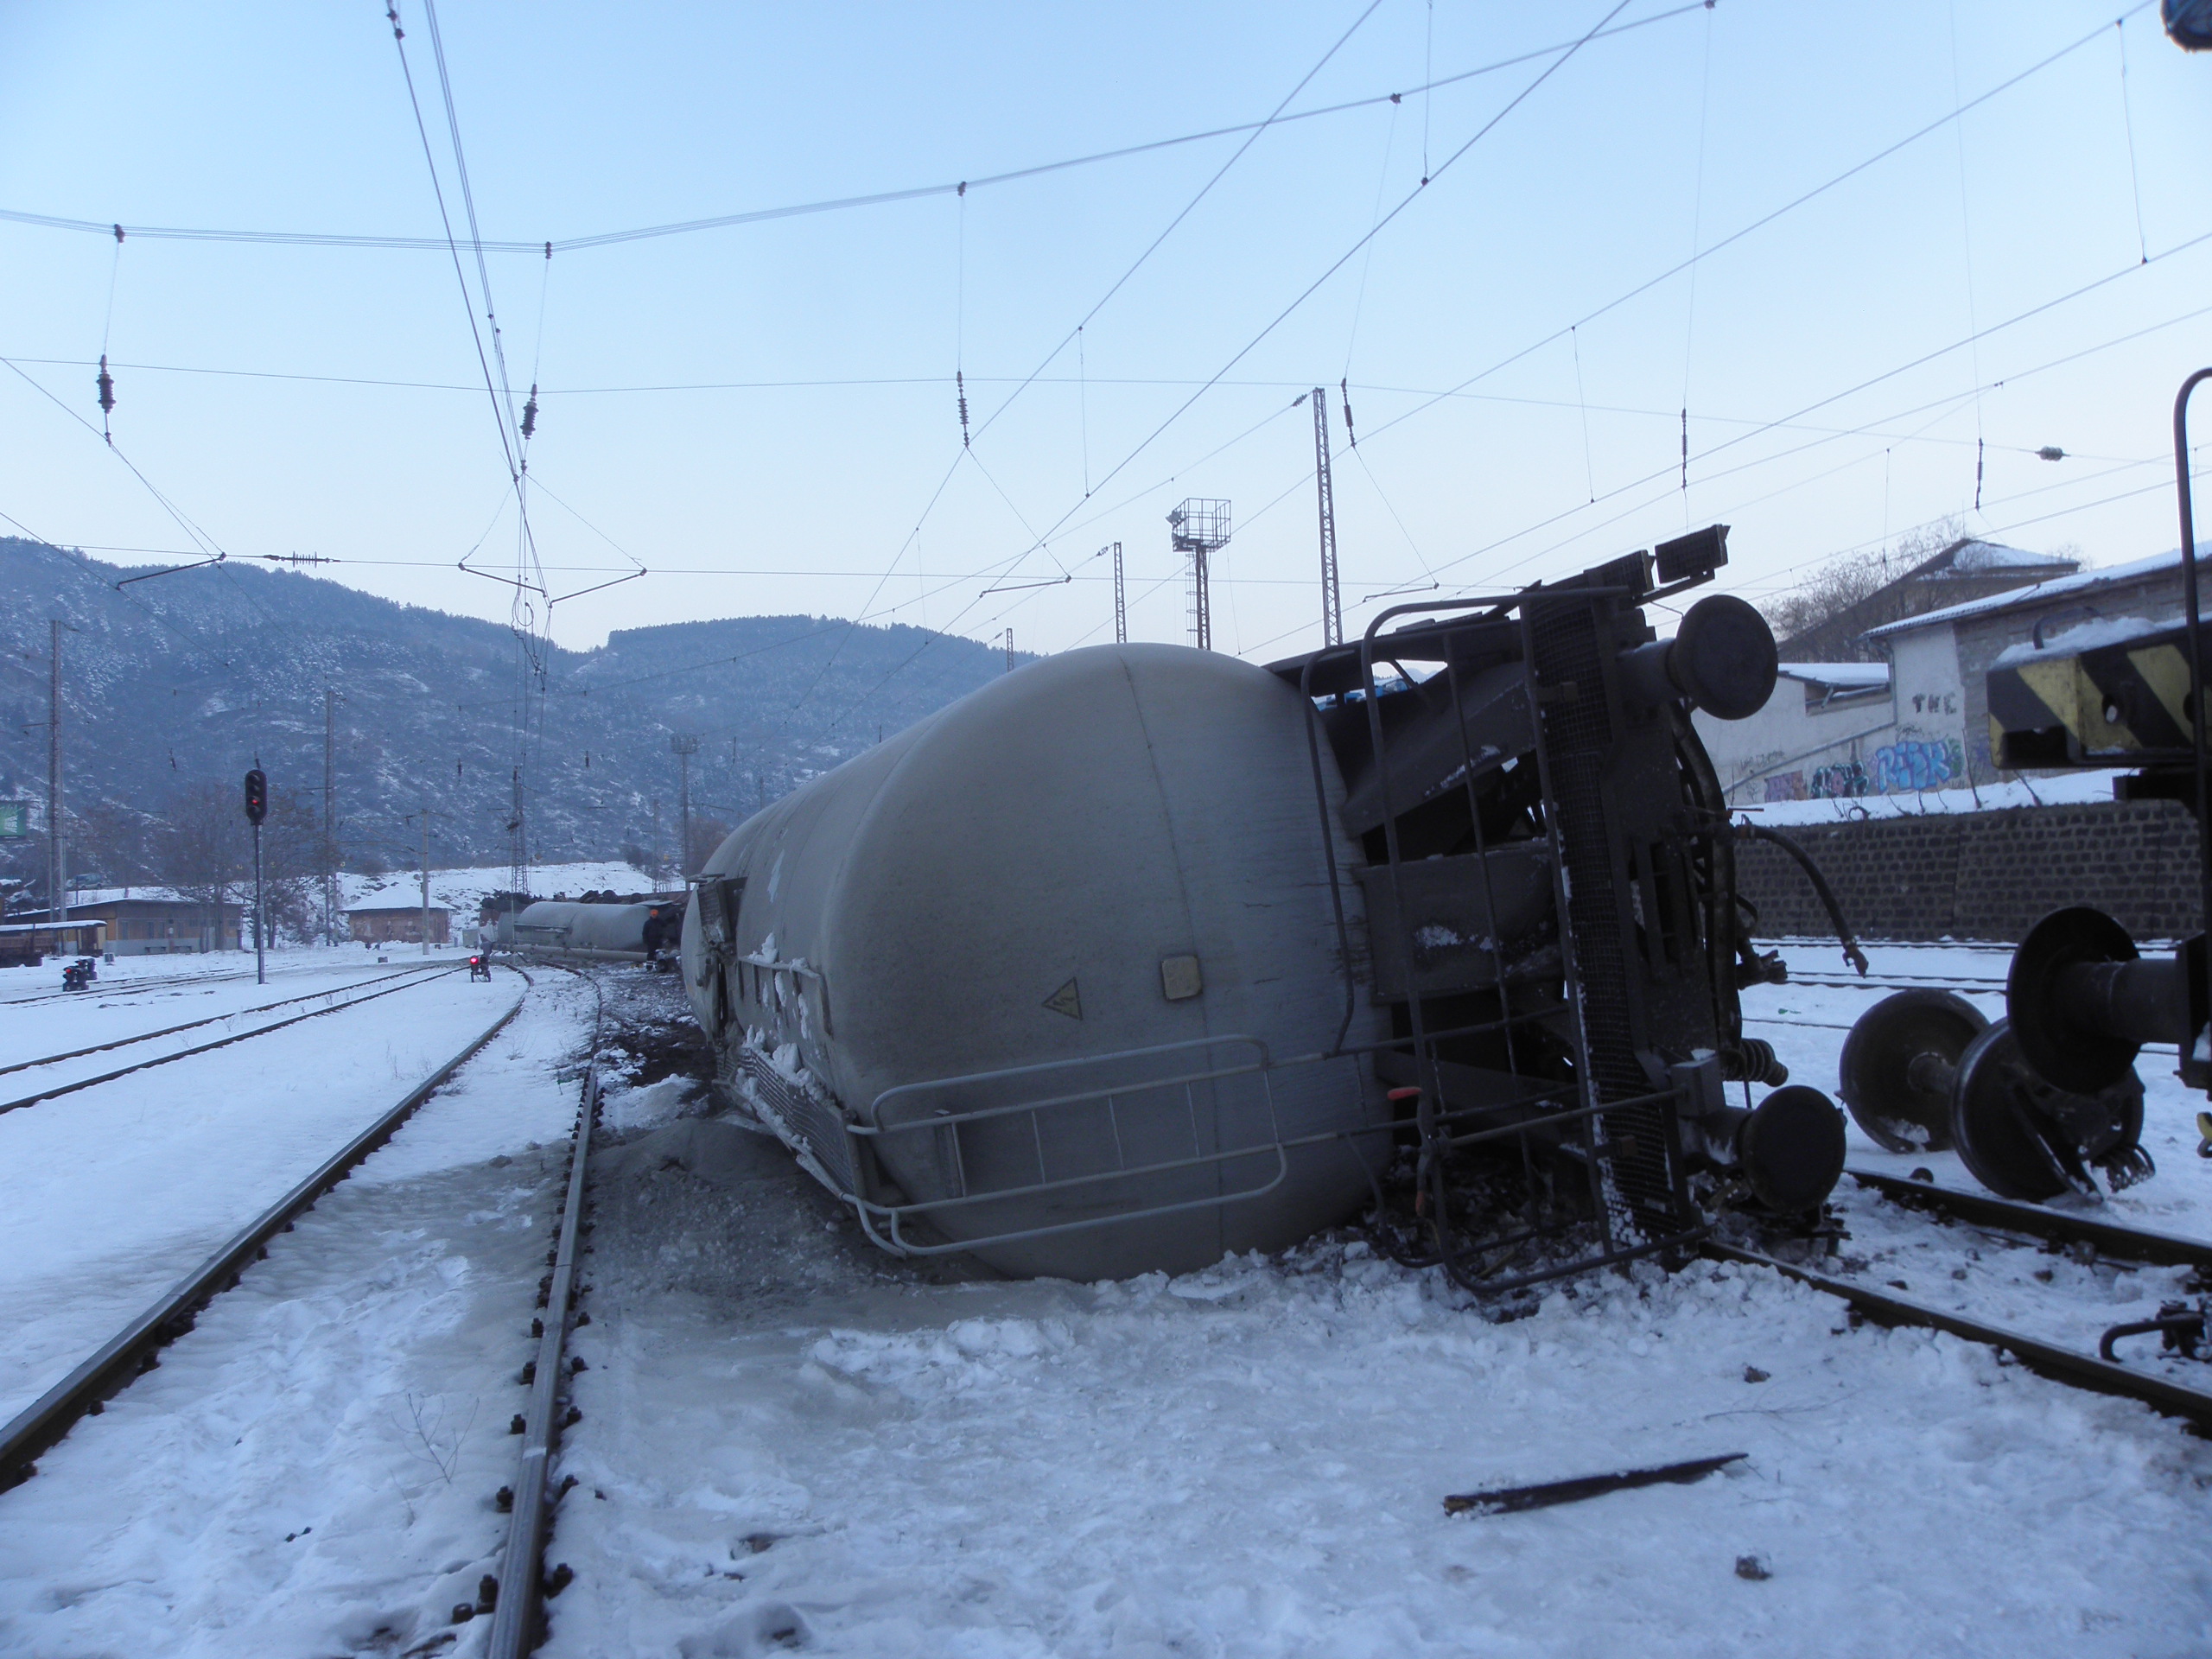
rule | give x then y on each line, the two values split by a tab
791	1440
141	979
114	1192
123	1030
310	1470
2060	789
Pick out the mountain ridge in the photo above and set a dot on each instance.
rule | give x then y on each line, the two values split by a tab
173	687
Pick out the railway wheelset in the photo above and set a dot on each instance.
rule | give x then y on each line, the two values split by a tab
2040	1103
2036	1101
1925	1070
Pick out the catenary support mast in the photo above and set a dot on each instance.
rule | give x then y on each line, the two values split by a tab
1121	601
1332	607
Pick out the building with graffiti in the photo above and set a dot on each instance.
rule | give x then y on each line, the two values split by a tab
1940	663
1919	722
1817	735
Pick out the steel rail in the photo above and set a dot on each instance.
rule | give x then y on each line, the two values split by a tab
121	988
209	1019
517	1609
1980	984
132	1350
2058	1226
166	981
2066	1365
60	1089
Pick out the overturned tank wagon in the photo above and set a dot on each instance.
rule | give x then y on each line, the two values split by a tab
566	929
1143	954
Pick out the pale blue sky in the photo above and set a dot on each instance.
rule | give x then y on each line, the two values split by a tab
583	119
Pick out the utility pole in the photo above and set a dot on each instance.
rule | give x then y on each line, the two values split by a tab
426	878
329	818
1009	650
1121	601
686	744
57	860
1333	607
424	900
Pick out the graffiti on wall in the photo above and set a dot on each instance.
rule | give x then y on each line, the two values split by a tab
1786	786
1844	781
1918	764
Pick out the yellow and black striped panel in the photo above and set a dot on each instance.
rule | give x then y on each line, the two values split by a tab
2123	704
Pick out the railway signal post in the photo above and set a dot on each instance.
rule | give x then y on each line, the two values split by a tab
257	809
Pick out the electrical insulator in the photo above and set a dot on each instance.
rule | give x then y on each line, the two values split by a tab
107	387
529	414
960	381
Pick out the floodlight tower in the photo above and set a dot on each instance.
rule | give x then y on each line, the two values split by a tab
1199	527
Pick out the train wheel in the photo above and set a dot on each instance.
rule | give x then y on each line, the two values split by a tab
2023	1138
1895	1073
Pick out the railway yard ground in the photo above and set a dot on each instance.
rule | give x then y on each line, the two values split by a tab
790	1441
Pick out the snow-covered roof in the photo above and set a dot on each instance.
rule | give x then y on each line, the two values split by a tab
80	896
1855	675
2040	593
408	907
1975	558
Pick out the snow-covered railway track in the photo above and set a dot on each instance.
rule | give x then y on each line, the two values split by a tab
139	988
60	1087
1993	984
2179	1387
522	1586
134	1350
210	1020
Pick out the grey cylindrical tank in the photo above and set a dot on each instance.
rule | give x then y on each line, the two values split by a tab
600	930
1110	851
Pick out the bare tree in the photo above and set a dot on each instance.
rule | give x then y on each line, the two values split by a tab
291	863
1819	619
114	843
707	835
206	851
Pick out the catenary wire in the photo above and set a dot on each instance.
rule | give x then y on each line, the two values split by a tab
609	239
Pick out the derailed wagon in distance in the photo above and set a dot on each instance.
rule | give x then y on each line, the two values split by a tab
1143	954
612	928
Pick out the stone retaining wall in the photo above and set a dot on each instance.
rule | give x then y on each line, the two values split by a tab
1984	875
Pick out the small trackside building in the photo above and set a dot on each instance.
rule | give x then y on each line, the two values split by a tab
398	924
160	922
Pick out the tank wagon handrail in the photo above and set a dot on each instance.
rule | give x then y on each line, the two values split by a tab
895	1213
1259	1064
948	1119
898	1244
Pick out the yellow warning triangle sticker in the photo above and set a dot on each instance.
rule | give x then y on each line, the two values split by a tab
1067	1000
